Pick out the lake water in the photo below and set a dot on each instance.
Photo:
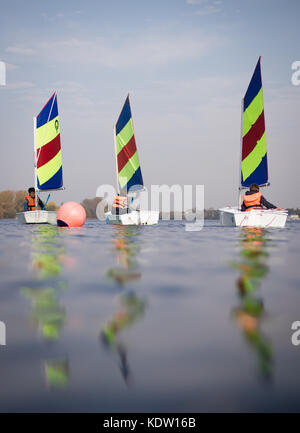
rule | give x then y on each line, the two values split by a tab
149	319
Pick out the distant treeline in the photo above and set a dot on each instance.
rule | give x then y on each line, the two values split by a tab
90	205
293	211
12	202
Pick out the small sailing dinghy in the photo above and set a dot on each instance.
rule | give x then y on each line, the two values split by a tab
254	165
129	175
47	162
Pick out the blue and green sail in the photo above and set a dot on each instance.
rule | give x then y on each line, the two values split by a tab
48	148
128	164
254	164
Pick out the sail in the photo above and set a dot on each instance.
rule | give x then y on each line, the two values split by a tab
128	165
254	165
48	150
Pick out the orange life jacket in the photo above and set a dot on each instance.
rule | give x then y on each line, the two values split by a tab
120	202
31	202
252	201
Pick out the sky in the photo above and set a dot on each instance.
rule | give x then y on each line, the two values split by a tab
186	65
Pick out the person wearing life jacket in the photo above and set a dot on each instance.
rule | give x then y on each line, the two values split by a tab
120	205
29	203
253	199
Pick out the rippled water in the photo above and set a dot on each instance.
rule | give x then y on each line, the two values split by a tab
107	318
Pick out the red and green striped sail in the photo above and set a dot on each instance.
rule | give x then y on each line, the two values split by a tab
48	150
254	165
128	165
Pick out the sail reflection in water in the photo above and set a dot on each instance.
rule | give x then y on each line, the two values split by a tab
126	248
132	306
47	314
250	313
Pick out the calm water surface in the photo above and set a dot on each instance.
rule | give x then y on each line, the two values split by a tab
107	318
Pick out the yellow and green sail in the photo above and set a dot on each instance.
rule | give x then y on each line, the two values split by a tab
128	165
48	149
254	164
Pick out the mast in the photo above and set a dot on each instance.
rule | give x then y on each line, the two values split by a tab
116	159
262	91
47	123
240	164
143	189
35	160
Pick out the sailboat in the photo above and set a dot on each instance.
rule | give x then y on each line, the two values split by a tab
129	175
47	161
254	164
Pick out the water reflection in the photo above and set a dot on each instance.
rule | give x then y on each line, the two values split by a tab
249	314
126	244
47	313
126	248
57	373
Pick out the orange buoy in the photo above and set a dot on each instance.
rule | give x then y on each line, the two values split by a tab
71	214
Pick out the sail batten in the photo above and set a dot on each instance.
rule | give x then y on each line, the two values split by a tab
254	165
48	147
128	166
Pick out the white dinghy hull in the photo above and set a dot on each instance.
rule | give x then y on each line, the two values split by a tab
233	217
135	218
37	217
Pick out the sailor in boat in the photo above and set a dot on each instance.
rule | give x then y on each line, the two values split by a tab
29	203
253	199
120	205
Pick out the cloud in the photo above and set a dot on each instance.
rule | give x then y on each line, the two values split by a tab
150	49
75	93
20	49
59	15
208	10
52	18
69	86
19	85
196	2
208	7
11	66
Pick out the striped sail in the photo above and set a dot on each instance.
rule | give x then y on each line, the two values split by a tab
254	165
48	150
128	165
